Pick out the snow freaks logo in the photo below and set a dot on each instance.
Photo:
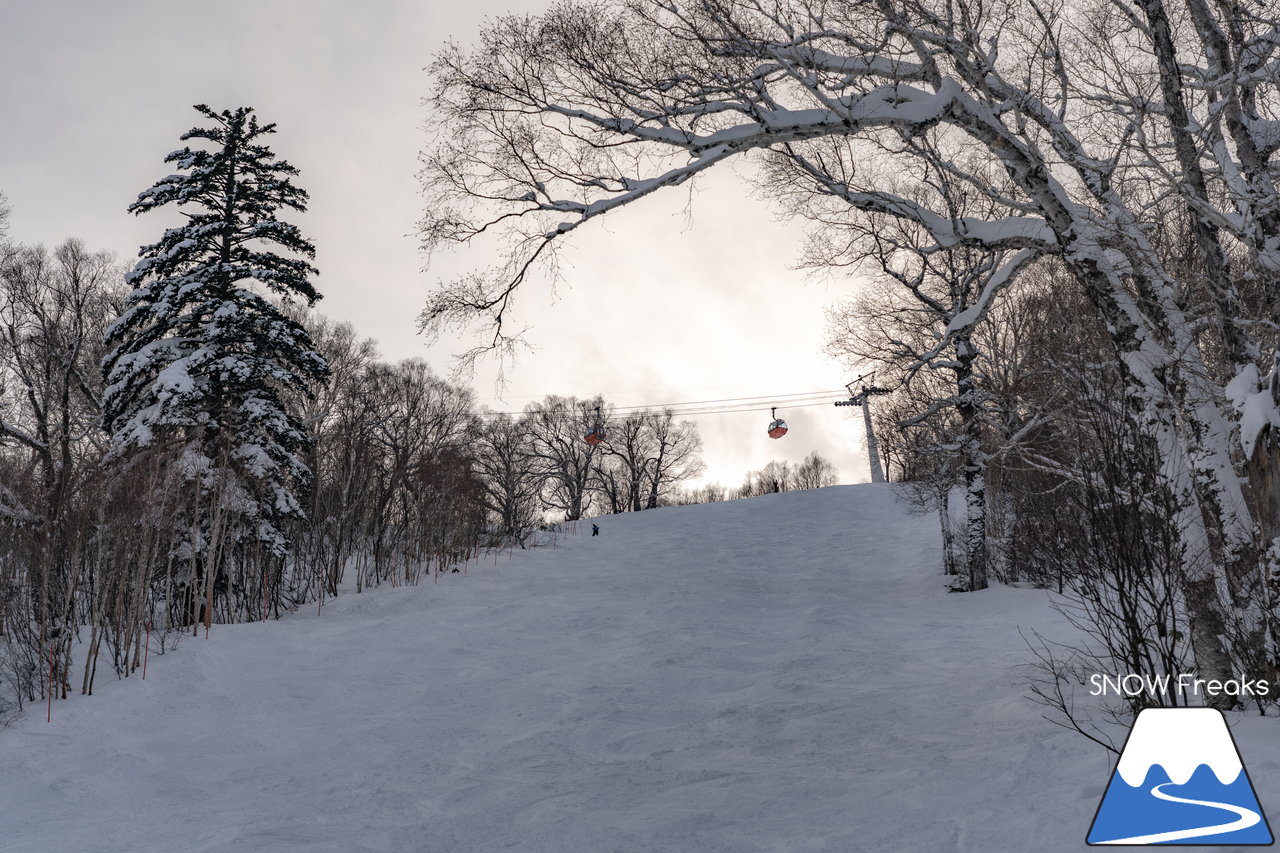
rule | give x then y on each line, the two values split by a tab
1180	780
1182	684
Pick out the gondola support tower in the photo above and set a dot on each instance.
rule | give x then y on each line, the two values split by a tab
861	398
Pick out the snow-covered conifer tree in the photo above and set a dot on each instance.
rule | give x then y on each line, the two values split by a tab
200	362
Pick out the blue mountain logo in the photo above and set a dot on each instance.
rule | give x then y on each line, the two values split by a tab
1180	780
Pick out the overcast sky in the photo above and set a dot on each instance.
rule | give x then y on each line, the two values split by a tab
656	306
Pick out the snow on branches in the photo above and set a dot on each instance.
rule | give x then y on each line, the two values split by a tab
1133	140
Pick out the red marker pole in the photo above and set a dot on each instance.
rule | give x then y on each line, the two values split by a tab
49	716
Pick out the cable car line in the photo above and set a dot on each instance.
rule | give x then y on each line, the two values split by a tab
763	397
777	427
730	411
730	405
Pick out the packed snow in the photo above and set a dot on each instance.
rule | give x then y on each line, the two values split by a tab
784	673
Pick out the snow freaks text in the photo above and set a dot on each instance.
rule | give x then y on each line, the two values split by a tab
1182	684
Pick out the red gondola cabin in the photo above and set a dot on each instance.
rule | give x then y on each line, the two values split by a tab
777	427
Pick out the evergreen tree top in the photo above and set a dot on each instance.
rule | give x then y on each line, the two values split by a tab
230	195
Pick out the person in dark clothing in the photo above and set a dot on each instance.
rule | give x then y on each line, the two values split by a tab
595	530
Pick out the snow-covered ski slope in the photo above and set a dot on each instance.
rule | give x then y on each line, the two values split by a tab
778	674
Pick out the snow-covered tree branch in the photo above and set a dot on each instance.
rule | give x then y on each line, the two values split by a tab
558	119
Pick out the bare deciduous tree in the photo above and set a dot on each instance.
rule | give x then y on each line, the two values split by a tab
511	481
815	472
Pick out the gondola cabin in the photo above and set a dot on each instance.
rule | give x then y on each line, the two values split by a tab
777	427
597	432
